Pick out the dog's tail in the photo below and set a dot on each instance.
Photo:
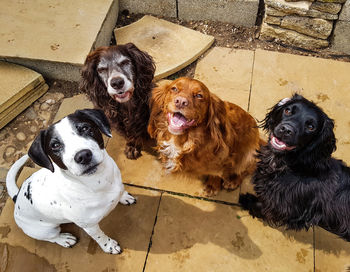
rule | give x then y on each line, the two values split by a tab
11	185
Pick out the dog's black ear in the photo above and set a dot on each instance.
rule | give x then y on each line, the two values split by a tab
99	119
38	154
325	143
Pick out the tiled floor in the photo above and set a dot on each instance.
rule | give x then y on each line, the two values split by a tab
173	226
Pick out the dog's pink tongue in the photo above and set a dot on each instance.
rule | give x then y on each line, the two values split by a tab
179	120
278	144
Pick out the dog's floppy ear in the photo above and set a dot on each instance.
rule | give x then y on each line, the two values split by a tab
91	83
325	142
217	121
98	118
143	63
157	105
37	152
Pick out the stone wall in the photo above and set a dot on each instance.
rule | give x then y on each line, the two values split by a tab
305	24
341	35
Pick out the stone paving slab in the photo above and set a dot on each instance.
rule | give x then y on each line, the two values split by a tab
332	254
131	226
55	37
24	102
15	82
196	235
326	82
147	171
19	87
227	73
70	105
172	46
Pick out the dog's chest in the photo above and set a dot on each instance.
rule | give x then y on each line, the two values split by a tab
170	153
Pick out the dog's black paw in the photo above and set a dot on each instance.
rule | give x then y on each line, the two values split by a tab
251	203
247	200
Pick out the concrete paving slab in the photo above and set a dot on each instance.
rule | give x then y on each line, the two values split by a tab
331	252
15	82
326	82
238	12
172	46
196	235
131	226
70	105
227	73
55	37
147	171
24	102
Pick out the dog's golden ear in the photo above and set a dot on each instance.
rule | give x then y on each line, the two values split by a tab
217	120
38	154
157	103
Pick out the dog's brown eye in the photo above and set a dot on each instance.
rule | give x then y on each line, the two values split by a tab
124	62
310	127
198	95
174	89
84	128
55	145
287	111
101	69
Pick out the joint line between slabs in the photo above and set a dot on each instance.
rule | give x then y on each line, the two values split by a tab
150	240
251	82
184	195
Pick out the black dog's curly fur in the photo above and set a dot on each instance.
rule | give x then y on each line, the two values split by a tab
130	118
305	186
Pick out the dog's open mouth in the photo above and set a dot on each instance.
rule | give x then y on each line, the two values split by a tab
177	123
279	145
123	97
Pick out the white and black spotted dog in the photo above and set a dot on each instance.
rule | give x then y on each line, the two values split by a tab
79	183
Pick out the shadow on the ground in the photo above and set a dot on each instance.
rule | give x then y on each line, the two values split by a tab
179	226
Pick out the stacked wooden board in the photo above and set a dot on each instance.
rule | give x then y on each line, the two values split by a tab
19	88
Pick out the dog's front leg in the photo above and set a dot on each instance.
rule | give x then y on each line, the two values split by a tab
252	204
127	199
133	148
106	243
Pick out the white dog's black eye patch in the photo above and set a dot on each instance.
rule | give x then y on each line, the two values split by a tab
87	129
54	147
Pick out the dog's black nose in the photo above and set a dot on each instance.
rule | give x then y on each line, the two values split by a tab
117	82
83	156
286	130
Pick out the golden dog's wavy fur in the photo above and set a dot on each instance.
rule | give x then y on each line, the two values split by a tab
222	143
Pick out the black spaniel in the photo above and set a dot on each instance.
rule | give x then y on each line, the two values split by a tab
297	182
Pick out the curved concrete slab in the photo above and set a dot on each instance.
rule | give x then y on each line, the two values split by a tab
172	46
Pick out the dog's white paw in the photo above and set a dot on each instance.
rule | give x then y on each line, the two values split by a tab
127	199
65	240
111	246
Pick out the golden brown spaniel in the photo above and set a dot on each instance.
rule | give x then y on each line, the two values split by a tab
197	132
